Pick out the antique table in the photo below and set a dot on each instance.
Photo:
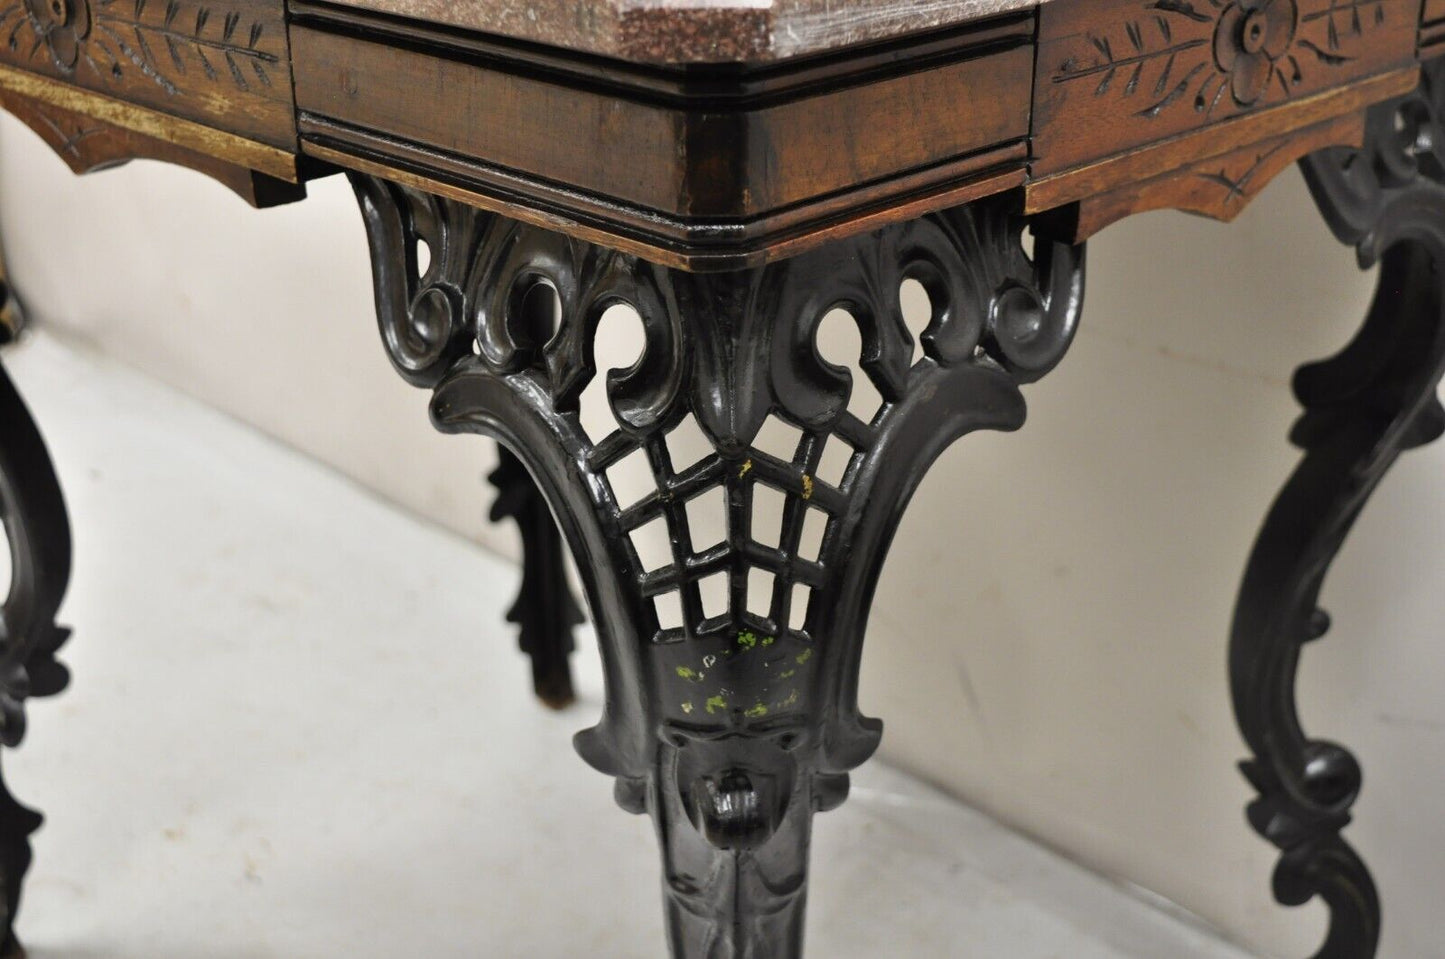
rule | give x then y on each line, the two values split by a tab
733	170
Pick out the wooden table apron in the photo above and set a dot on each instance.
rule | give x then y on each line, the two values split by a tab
734	173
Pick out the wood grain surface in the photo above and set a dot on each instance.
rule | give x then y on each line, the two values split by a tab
700	157
1095	108
224	63
1156	159
1116	74
86	143
1219	187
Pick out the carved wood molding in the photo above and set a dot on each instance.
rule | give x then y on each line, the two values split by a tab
1149	168
86	143
1218	187
210	60
1105	103
710	168
1114	75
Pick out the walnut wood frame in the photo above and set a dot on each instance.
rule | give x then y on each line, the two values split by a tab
732	204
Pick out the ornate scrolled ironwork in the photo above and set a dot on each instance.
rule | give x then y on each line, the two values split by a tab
38	534
1364	406
545	610
731	727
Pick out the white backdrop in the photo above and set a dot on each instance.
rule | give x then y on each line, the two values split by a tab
1048	640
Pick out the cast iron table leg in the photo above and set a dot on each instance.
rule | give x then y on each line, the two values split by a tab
38	535
1362	408
731	726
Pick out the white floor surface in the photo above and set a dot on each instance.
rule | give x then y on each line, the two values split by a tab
298	728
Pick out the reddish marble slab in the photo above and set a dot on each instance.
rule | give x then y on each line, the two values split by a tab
698	31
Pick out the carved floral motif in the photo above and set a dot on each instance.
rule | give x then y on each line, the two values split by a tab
1250	44
1259	51
164	42
63	25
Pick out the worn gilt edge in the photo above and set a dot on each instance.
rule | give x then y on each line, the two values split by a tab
188	134
681	255
1172	154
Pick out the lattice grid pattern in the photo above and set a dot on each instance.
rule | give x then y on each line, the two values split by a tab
745	550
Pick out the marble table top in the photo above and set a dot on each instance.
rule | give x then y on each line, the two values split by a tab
697	31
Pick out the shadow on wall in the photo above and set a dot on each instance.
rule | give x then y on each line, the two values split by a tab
1049	636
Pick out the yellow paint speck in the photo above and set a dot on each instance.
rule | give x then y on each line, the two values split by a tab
807	486
688	707
747	468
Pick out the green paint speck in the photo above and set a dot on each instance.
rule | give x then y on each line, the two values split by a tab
788	674
804	656
747	639
688	674
768	640
757	712
716	704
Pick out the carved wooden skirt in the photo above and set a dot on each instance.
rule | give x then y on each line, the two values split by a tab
734	174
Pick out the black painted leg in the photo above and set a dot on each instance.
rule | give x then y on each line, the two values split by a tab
730	725
11	316
38	532
545	610
1362	408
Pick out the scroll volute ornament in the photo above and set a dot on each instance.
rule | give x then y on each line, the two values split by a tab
732	727
1363	407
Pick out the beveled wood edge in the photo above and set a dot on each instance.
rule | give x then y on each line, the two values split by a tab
727	33
325	138
716	246
1157	159
699	154
683	257
722	84
186	134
